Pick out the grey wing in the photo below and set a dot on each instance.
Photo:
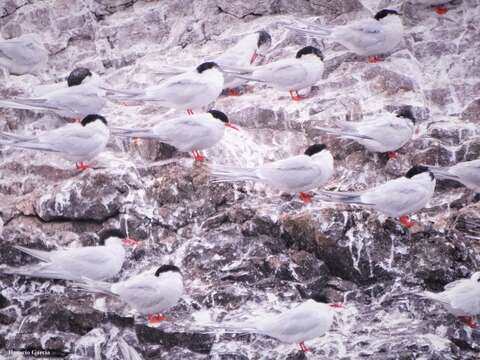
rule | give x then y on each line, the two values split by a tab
139	290
182	88
185	131
70	139
76	260
296	171
396	197
362	34
282	72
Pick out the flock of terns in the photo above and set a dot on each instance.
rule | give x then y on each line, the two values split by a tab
153	292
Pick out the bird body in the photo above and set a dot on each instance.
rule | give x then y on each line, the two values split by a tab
22	55
148	292
93	262
466	173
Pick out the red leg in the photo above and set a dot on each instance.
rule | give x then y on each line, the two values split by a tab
405	221
82	166
468	320
441	10
306	197
198	156
189	111
233	92
303	347
156	318
392	155
374	59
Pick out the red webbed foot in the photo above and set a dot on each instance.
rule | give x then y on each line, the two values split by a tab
156	318
392	155
374	59
296	96
233	92
405	221
189	112
441	10
305	197
82	166
467	320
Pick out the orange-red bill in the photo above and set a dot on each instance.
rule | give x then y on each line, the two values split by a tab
232	126
254	56
131	242
336	305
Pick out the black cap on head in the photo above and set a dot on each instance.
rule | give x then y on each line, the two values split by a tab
263	38
384	13
219	115
108	233
309	50
166	268
315	148
205	66
77	76
91	118
418	169
407	113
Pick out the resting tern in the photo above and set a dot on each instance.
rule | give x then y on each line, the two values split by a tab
78	142
370	37
83	96
300	173
396	198
187	133
461	298
466	173
384	133
94	262
150	293
23	55
188	91
292	75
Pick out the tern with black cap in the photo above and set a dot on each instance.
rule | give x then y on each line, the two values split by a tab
150	293
292	75
84	95
187	133
297	174
383	133
189	91
94	262
77	142
397	198
369	37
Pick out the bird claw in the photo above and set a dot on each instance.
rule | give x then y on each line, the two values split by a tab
392	155
82	166
374	59
233	92
303	348
467	320
197	156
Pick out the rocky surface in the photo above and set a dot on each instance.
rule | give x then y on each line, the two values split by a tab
245	250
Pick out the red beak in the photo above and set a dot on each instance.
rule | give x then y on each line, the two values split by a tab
336	305
232	126
254	56
131	242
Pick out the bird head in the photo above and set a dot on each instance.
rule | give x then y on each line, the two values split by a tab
308	51
223	118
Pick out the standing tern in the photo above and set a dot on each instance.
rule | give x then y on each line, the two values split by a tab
150	293
94	262
187	133
304	322
384	133
439	5
78	142
461	298
396	198
292	75
300	173
188	91
369	37
241	55
466	173
23	55
83	96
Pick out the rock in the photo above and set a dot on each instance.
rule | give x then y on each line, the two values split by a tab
471	112
387	82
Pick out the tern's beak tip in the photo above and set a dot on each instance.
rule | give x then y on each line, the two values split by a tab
232	126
